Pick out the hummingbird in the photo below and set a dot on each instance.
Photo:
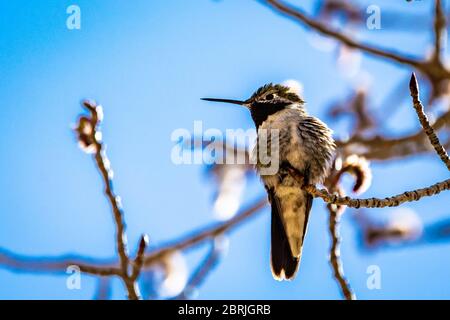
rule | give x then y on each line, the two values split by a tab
306	147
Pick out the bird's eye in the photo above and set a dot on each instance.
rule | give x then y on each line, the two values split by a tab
269	97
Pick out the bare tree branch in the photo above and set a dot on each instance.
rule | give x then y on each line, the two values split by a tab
408	149
197	237
393	201
335	254
434	140
439	30
299	16
335	213
91	136
433	68
383	142
203	270
101	160
21	263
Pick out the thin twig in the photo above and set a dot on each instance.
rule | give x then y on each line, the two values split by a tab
106	174
335	213
203	270
434	140
335	253
101	159
439	30
393	201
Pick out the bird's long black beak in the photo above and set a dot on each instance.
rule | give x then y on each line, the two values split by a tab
239	102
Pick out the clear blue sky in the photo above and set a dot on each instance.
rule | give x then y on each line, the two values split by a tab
148	63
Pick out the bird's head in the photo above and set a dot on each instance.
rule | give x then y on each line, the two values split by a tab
266	101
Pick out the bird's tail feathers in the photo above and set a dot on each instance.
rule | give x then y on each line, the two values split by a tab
284	264
290	217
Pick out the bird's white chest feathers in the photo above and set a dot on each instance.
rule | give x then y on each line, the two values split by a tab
290	143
